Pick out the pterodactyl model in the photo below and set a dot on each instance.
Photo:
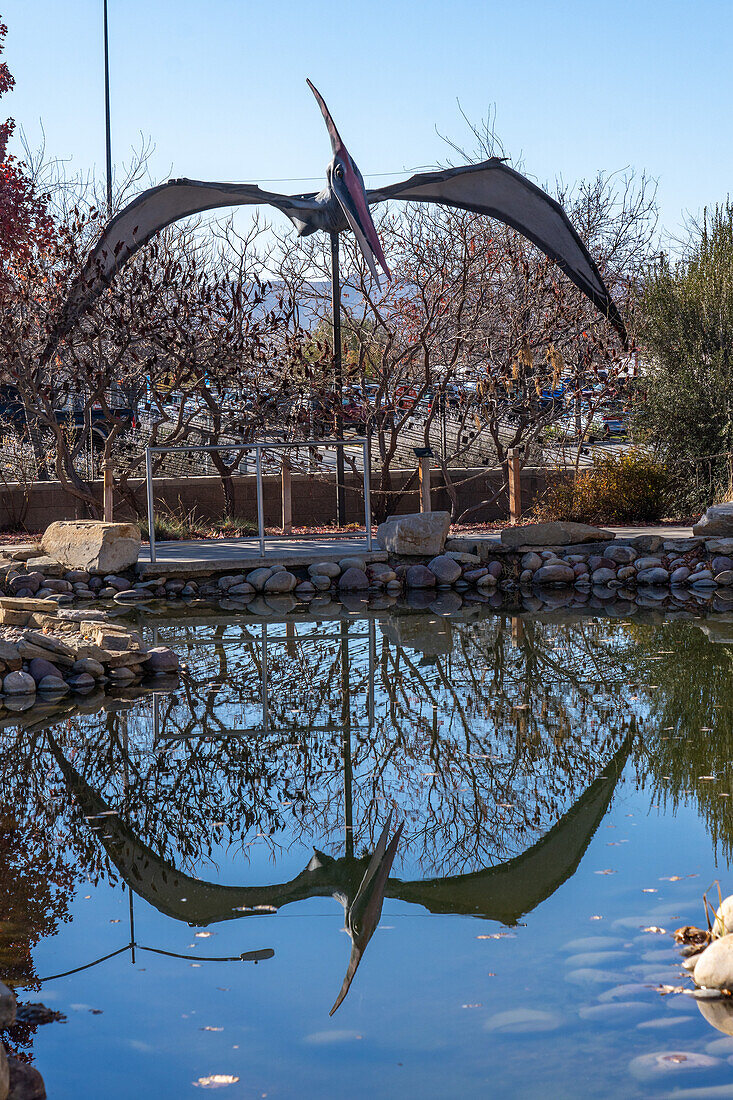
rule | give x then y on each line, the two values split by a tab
491	188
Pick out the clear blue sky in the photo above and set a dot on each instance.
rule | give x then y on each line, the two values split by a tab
219	85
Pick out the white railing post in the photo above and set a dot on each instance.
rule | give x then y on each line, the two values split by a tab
367	494
260	506
151	506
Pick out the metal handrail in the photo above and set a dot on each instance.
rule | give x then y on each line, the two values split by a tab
258	448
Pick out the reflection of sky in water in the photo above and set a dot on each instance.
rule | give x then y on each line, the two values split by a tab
481	742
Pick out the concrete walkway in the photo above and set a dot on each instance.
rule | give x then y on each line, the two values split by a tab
202	555
232	555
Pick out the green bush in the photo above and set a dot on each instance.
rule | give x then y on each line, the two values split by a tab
630	487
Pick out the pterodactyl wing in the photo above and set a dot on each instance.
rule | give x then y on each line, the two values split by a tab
145	216
495	189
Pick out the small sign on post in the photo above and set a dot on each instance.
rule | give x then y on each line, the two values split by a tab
515	485
423	455
287	499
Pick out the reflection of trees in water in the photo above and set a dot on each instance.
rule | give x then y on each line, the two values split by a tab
690	731
480	748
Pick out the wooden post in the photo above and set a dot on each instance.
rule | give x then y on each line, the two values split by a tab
515	485
108	491
287	500
423	471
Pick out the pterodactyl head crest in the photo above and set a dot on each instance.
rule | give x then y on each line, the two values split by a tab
347	184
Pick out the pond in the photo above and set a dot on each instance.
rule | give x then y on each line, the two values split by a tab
191	879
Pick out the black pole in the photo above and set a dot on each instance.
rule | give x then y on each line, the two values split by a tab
338	378
346	743
108	137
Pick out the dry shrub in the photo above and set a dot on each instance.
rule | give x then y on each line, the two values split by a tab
628	487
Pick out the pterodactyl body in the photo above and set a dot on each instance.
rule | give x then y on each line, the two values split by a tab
490	187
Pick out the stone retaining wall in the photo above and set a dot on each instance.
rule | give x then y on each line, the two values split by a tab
313	498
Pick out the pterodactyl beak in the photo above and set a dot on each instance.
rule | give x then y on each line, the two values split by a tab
348	186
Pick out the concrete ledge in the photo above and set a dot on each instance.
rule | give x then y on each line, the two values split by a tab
210	565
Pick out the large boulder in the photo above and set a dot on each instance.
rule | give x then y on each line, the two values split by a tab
93	545
714	967
553	534
420	535
718	520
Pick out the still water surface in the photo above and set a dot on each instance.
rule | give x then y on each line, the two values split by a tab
562	786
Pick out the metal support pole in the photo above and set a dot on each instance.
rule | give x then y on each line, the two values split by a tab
367	492
151	506
346	743
107	132
338	378
108	491
260	506
515	485
287	499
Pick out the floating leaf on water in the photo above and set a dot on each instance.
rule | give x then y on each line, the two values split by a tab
203	935
665	989
656	930
596	917
216	1081
208	1028
478	1004
608	871
649	890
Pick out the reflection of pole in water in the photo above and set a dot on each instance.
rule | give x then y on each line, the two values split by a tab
265	685
346	741
517	631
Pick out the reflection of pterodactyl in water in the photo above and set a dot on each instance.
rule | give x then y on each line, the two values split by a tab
502	893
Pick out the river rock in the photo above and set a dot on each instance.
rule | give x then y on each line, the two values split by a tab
553	534
227	582
320	582
487	581
39	667
679	575
622	555
445	569
419	576
29	581
4	1074
718	520
305	590
714	968
654	575
93	545
258	577
81	681
280	583
25	1082
53	685
721	562
471	576
626	573
420	535
353	579
238	591
88	665
495	569
602	575
19	683
352	562
324	569
7	1007
555	573
719	546
725	578
160	659
531	561
647	562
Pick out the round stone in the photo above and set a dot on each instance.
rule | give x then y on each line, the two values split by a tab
352	563
258	577
89	666
654	575
280	583
353	579
53	685
419	576
161	659
324	569
603	575
19	683
40	667
679	575
714	968
555	573
445	569
622	555
531	561
320	582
